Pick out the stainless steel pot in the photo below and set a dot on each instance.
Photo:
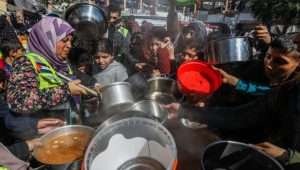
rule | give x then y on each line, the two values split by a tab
117	97
151	108
229	49
162	90
131	128
84	16
63	145
237	156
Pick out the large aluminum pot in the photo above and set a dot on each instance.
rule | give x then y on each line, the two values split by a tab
229	49
151	108
162	90
84	16
64	145
132	143
237	156
116	97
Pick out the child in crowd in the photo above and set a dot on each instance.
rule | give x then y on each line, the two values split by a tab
110	70
11	50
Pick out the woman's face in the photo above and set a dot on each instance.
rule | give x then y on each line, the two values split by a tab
279	66
63	47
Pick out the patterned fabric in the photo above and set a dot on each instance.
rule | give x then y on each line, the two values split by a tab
23	94
43	38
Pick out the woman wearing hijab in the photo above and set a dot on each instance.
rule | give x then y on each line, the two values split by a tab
34	88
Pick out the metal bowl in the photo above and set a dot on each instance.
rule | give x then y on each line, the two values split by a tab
64	145
162	90
151	107
84	16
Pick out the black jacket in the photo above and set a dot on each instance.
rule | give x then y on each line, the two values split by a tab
278	112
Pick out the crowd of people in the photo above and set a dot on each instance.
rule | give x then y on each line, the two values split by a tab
35	99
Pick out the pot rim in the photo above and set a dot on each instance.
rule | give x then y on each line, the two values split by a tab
159	78
230	37
115	84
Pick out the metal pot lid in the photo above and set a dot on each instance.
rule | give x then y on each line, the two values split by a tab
63	145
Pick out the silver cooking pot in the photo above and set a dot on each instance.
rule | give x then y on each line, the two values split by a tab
116	97
84	16
131	128
162	90
229	49
237	156
151	108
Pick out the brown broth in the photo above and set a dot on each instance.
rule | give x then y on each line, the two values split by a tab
63	149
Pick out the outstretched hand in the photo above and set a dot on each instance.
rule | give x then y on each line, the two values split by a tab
226	77
172	110
270	149
46	125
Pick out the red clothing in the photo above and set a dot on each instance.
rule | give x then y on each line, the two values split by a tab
164	63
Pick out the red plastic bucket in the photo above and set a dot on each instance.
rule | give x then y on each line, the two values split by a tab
198	78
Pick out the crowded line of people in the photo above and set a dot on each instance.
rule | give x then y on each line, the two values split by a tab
36	100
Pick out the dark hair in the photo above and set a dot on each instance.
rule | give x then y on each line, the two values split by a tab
188	28
105	46
191	44
284	43
114	8
7	46
159	32
137	38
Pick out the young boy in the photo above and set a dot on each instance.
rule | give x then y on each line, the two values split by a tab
11	50
110	70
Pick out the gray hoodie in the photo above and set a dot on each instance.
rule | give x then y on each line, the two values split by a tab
115	72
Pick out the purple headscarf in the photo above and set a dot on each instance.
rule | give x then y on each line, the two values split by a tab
43	38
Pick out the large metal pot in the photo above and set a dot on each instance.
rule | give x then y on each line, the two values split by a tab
151	108
63	145
237	156
84	16
117	97
131	156
229	49
162	90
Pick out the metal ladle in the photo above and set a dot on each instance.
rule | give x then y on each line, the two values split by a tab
89	90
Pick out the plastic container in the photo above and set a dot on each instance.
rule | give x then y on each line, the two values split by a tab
198	78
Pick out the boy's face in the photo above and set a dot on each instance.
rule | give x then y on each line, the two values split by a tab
15	54
19	53
189	54
279	66
103	59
